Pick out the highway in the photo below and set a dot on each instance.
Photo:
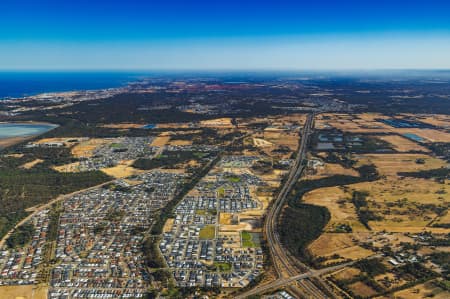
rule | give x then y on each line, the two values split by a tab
287	266
281	282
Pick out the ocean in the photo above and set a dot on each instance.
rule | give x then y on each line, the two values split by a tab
20	84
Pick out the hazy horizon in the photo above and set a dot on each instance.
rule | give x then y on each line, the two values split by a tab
213	35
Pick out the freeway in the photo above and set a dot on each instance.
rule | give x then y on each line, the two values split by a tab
285	264
281	282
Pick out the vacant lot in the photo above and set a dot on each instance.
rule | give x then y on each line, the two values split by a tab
23	292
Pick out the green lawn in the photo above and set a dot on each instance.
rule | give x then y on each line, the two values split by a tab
223	267
208	232
249	239
234	179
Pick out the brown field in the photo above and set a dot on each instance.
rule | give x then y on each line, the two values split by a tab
346	273
280	137
122	170
224	122
23	292
180	142
338	243
438	120
425	290
161	140
173	125
71	167
5	142
258	142
330	169
123	126
168	225
341	213
86	148
405	196
402	144
31	164
361	289
391	164
225	218
429	134
366	123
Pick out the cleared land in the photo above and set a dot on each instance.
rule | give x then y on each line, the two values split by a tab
23	292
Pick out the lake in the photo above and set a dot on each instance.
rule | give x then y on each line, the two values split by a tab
10	130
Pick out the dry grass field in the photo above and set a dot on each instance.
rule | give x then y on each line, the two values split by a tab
338	203
343	244
225	218
86	148
330	169
124	126
438	120
402	144
346	273
425	290
71	167
31	164
23	292
224	122
390	164
161	140
122	170
361	289
168	225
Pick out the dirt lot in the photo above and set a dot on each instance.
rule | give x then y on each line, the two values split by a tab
23	292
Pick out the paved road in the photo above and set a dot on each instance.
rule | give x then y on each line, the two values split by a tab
281	282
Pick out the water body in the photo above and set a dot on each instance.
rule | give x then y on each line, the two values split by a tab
10	130
20	84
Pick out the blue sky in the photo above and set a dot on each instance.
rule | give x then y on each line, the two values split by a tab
229	34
